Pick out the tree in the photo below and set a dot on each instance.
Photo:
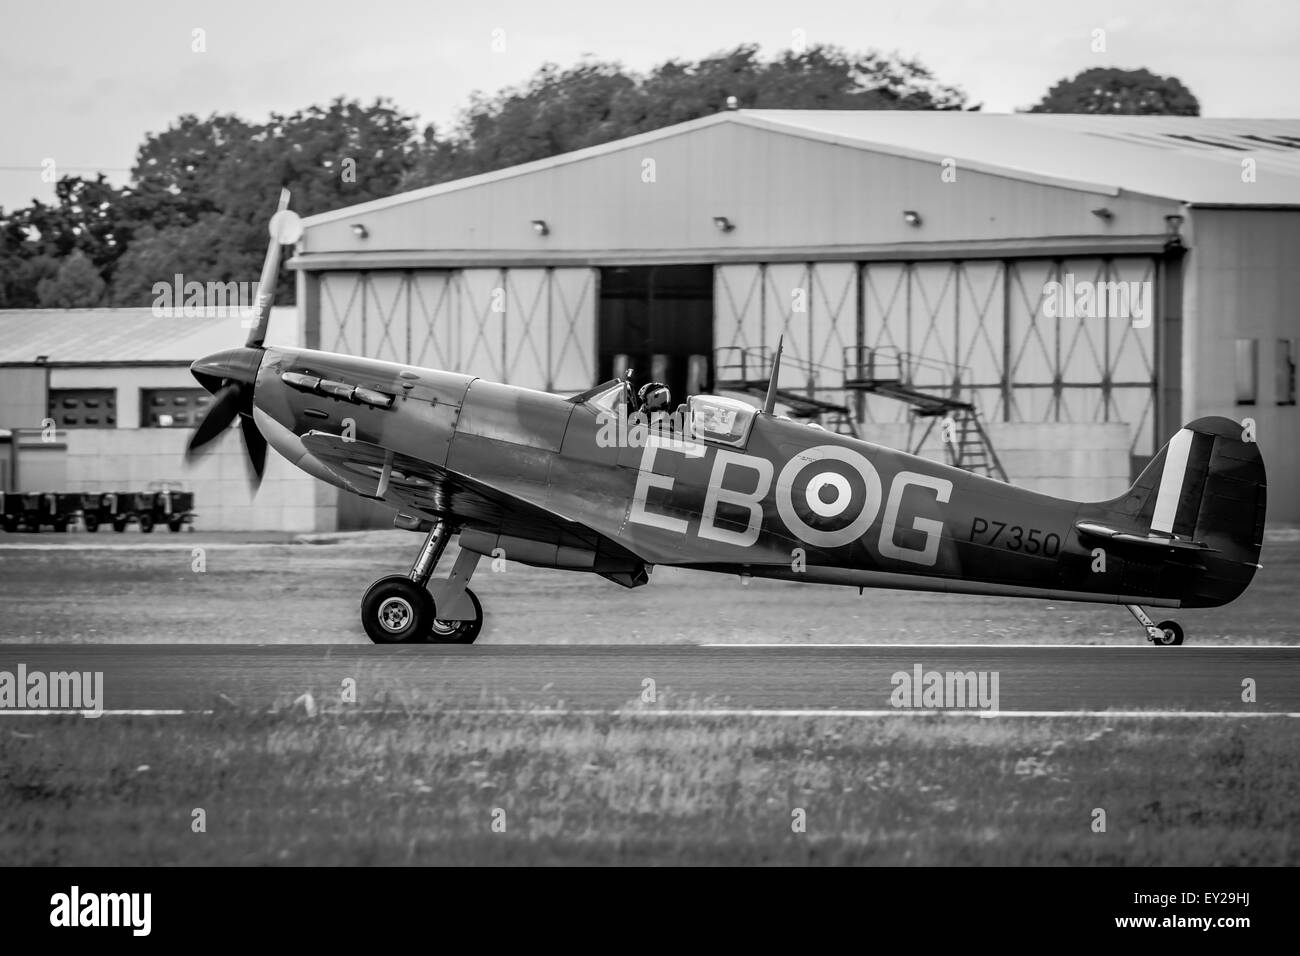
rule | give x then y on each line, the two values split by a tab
596	102
76	285
87	217
205	188
1119	92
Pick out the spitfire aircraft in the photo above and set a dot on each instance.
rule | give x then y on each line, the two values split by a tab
586	483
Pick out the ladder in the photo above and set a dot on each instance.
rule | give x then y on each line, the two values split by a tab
748	371
890	373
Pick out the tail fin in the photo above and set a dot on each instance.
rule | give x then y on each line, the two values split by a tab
1207	485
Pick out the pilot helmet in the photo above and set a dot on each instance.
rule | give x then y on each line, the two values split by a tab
654	397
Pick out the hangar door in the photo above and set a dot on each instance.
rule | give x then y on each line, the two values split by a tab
529	327
982	325
658	321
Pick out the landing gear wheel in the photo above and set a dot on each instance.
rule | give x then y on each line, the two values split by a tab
146	524
396	610
458	632
1173	634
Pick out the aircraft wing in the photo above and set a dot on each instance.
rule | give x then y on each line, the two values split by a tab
419	487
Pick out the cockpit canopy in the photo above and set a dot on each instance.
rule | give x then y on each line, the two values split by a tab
610	397
723	420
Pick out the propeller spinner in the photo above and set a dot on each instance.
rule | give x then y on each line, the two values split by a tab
230	376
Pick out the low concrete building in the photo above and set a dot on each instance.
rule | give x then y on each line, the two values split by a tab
103	400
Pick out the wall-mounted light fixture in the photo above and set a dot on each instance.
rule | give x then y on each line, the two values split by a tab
911	217
360	231
1173	227
541	228
1104	214
723	224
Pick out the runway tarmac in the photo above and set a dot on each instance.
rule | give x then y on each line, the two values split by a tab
1040	679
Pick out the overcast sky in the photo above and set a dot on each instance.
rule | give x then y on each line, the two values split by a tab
83	82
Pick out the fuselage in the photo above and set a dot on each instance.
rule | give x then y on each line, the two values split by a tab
784	500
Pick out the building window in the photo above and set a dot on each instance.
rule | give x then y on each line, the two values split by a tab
83	407
1286	355
173	407
1247	371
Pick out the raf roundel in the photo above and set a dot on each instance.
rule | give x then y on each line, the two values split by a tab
828	495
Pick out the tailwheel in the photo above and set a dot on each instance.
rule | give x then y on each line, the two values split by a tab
396	610
1171	633
458	632
1165	634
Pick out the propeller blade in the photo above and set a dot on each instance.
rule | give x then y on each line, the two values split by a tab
285	227
225	407
255	442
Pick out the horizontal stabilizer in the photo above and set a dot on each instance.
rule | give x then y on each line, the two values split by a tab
1155	541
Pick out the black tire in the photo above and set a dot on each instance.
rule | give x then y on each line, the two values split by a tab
61	525
146	524
396	610
1173	634
458	632
175	524
119	525
91	522
9	523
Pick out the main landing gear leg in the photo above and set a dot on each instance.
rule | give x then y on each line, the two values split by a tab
397	609
413	609
1164	633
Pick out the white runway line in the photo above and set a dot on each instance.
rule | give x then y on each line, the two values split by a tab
550	712
1184	649
901	712
160	546
94	714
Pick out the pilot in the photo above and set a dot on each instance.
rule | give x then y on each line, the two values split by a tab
654	397
653	400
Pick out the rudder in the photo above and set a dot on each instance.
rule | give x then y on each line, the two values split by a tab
1206	485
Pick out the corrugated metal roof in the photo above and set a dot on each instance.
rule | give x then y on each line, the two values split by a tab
1188	158
128	335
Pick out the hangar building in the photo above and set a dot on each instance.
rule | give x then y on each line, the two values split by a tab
943	251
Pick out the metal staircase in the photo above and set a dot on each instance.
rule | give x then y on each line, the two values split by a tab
748	371
890	373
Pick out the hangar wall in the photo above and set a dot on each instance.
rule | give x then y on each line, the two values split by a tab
1241	270
657	194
